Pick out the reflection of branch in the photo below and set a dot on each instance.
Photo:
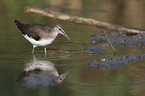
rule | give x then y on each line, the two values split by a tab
107	69
81	20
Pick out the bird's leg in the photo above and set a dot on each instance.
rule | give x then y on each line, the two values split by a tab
33	48
45	50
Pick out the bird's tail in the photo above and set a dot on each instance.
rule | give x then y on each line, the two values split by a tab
18	24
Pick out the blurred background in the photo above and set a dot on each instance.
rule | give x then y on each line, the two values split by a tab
15	51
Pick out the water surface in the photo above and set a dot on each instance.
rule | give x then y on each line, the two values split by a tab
80	80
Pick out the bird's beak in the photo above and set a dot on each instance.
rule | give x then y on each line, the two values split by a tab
63	33
68	38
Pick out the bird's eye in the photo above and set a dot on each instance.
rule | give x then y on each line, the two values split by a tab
59	29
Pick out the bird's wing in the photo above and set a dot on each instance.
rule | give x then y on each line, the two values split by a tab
34	30
30	32
38	31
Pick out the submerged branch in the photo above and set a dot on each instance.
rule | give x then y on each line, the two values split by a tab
81	20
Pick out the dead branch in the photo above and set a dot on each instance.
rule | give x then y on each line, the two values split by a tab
81	20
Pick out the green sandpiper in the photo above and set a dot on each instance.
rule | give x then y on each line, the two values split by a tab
40	35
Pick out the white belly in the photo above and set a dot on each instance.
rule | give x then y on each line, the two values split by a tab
42	42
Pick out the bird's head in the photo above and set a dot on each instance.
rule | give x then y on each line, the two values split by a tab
60	29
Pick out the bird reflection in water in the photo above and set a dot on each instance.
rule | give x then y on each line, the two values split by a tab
41	72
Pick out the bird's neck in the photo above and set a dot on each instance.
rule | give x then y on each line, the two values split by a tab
53	33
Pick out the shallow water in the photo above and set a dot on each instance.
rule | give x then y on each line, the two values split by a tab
65	70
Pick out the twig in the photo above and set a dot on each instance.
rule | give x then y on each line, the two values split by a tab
81	20
109	42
